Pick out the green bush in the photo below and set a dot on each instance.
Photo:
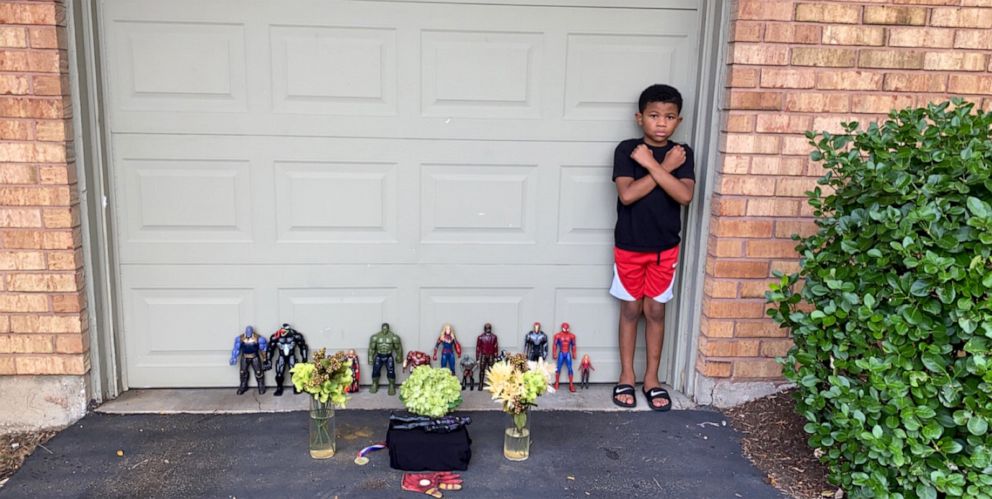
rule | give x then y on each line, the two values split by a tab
893	321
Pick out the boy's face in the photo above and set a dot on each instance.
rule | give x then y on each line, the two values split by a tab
659	120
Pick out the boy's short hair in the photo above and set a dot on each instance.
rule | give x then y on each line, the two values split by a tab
660	93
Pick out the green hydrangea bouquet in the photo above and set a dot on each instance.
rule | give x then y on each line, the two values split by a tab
431	392
325	378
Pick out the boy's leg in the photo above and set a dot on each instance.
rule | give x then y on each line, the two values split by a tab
630	313
654	337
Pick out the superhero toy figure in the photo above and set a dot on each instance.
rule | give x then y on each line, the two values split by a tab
486	347
286	341
250	348
415	359
450	348
536	343
356	371
468	372
384	347
584	368
564	350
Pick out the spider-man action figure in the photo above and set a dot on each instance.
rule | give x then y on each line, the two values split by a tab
450	348
250	348
564	350
286	341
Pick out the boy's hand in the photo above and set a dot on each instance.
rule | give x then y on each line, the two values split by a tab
643	156
674	158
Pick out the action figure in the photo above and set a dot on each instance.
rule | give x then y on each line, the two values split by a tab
450	348
384	347
486	346
415	359
286	341
564	350
356	372
584	367
536	344
444	424
250	347
468	372
503	355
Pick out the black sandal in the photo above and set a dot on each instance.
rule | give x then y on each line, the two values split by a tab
624	390
655	394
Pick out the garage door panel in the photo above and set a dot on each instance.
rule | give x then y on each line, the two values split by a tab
334	70
583	192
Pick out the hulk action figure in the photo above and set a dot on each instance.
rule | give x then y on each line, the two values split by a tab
384	347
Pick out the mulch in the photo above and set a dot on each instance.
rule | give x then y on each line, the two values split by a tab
774	440
16	447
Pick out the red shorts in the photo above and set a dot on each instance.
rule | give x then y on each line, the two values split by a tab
636	275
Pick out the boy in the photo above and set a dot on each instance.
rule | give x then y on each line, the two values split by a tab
654	178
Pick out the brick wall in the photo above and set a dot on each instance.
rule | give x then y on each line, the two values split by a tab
42	324
794	66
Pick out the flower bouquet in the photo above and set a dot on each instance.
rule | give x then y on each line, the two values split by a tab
516	383
325	379
431	392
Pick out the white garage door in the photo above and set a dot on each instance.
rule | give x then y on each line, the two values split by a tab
338	164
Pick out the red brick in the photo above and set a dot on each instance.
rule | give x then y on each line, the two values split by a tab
45	37
796	145
51	364
26	343
879	103
756	288
961	17
725	267
751	143
955	61
823	57
854	35
752	228
928	2
46	323
41	282
79	343
713	369
771	248
785	266
909	82
828	13
761	54
22	239
59	239
20	217
58	174
970	84
783	123
754	369
716	328
27	107
809	102
71	302
787	78
746	31
23	303
795	186
766	101
727	206
728	348
34	196
921	37
793	33
973	39
723	247
51	130
786	228
765	10
976	3
15	130
59	218
7	366
720	288
775	348
32	152
22	260
64	260
12	36
14	84
891	59
50	85
777	165
747	185
759	329
849	80
879	14
742	77
737	122
731	309
736	164
34	13
771	207
832	124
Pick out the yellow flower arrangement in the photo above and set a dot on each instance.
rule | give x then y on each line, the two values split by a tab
516	383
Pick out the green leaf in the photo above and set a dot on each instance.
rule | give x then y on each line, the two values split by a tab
978	207
978	425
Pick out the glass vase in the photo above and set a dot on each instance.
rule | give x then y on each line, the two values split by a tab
516	439
322	428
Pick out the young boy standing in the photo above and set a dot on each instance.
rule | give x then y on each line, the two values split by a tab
655	179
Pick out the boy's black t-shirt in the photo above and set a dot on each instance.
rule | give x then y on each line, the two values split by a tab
652	223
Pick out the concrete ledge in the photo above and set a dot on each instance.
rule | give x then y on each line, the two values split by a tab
41	402
226	401
724	393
